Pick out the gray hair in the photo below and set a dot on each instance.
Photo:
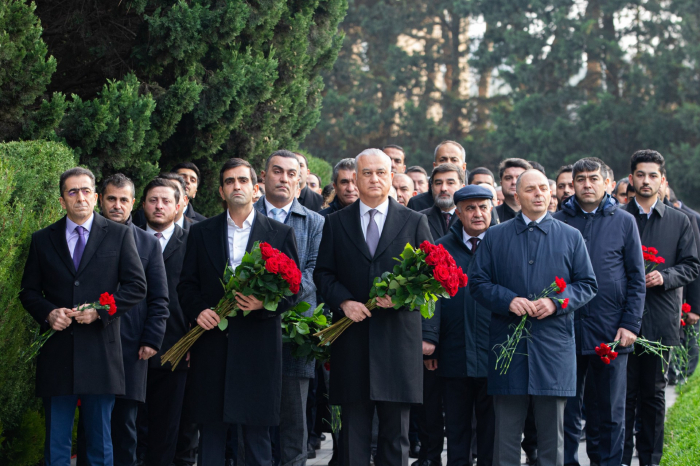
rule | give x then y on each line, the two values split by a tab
345	164
376	152
454	143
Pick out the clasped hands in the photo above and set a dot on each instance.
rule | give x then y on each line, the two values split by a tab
357	312
538	309
59	319
209	319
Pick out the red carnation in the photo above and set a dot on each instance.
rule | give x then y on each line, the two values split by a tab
605	359
685	308
652	250
600	351
645	249
660	260
561	284
612	355
682	323
565	303
107	299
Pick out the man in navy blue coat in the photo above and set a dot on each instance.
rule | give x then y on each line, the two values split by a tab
515	262
615	313
457	339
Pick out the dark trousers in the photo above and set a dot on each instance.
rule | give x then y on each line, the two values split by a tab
529	442
392	444
96	411
646	382
292	435
213	438
605	413
431	425
511	411
165	391
187	442
462	398
123	434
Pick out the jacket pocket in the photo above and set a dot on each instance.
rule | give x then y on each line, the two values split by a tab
621	292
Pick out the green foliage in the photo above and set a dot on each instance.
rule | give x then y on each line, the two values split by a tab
29	173
682	428
298	328
25	445
320	167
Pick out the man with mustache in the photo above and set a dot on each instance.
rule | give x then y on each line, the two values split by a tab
445	152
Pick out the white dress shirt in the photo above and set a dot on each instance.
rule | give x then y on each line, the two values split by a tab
641	210
181	222
72	235
163	240
282	217
379	217
466	238
238	238
527	220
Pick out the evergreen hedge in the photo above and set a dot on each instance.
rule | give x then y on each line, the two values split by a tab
682	429
29	173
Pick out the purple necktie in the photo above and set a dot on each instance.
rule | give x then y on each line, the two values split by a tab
372	236
447	216
79	246
475	243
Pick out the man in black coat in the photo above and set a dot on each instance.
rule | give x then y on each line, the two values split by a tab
166	387
70	263
445	180
309	199
456	341
377	361
445	152
344	186
190	173
615	313
236	374
668	231
508	171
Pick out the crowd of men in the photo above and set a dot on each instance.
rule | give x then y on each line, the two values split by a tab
403	383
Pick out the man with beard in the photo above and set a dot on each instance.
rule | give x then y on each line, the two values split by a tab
565	183
508	171
614	314
445	180
344	185
670	232
445	152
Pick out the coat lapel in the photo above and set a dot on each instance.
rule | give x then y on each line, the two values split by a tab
217	250
436	221
350	220
395	220
58	239
262	231
174	243
100	226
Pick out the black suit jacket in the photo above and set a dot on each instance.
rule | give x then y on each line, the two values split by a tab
504	213
379	358
82	359
144	324
191	214
178	325
311	200
236	375
438	227
421	201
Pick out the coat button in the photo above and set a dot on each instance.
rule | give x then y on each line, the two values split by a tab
530	262
529	296
77	283
532	229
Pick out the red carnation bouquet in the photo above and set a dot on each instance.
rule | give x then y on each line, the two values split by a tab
681	355
264	272
422	275
607	352
506	350
106	302
651	260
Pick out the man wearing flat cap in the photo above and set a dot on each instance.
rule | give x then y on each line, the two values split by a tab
457	338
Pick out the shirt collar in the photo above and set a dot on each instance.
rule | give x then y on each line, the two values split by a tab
269	207
466	236
381	208
247	223
527	220
167	233
70	224
641	211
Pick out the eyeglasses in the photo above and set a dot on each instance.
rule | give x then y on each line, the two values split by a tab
74	192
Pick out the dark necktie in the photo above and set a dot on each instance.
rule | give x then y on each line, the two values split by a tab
475	243
79	246
532	224
372	236
158	235
447	217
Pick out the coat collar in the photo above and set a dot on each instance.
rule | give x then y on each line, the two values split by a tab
607	206
174	242
100	227
633	208
544	225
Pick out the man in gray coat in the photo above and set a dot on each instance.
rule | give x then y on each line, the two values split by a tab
281	178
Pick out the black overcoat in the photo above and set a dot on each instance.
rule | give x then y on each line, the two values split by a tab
310	199
82	359
669	231
177	325
422	201
236	375
379	358
436	222
144	324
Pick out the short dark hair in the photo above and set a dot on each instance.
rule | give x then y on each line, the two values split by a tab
510	163
417	169
397	147
118	180
345	164
317	177
537	166
454	143
306	161
588	164
177	178
188	166
287	154
447	167
647	156
71	172
479	171
611	174
160	181
234	163
630	189
564	169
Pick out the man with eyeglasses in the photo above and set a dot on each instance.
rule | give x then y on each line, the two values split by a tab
70	263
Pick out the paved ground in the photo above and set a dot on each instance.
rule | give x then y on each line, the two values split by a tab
324	454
